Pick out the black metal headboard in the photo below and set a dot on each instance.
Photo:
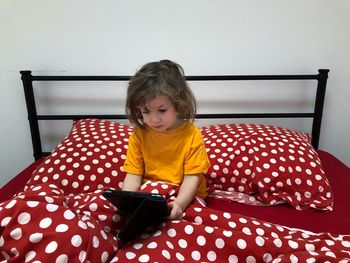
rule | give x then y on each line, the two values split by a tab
33	117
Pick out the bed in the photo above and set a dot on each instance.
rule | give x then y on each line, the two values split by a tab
273	195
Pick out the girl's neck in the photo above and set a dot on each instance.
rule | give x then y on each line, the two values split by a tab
176	124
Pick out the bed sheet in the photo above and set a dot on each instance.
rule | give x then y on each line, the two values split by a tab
18	182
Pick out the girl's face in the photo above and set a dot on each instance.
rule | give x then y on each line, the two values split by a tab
160	114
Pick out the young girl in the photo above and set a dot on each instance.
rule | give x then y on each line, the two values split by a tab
166	145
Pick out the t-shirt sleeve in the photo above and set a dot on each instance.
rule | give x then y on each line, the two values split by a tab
197	161
134	163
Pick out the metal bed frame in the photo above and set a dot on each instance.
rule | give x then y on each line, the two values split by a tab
33	117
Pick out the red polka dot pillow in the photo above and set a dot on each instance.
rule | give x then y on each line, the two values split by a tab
273	164
89	158
228	148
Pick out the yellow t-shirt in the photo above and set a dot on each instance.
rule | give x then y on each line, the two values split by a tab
168	156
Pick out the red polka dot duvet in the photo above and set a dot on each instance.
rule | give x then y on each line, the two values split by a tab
61	215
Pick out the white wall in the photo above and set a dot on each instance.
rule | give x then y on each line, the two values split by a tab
205	37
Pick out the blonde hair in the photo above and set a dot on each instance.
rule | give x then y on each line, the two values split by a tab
161	78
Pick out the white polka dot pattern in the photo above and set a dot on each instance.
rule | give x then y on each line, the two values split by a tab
89	158
41	224
231	167
273	164
225	237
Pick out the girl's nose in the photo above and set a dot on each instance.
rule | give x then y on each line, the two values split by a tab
155	118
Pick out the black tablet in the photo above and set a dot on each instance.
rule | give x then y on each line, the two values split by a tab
144	209
128	201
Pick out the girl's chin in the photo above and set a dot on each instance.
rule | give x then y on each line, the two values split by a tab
159	128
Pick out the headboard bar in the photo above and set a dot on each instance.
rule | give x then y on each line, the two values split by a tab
198	116
27	80
318	109
33	117
189	78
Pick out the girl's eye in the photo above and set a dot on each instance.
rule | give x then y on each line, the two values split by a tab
162	110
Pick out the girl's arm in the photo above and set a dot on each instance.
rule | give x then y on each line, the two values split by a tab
186	194
132	182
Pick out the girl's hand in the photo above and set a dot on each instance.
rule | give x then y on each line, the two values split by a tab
185	196
176	211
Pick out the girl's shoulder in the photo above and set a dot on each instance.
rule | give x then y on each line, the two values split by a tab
193	126
193	129
137	134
